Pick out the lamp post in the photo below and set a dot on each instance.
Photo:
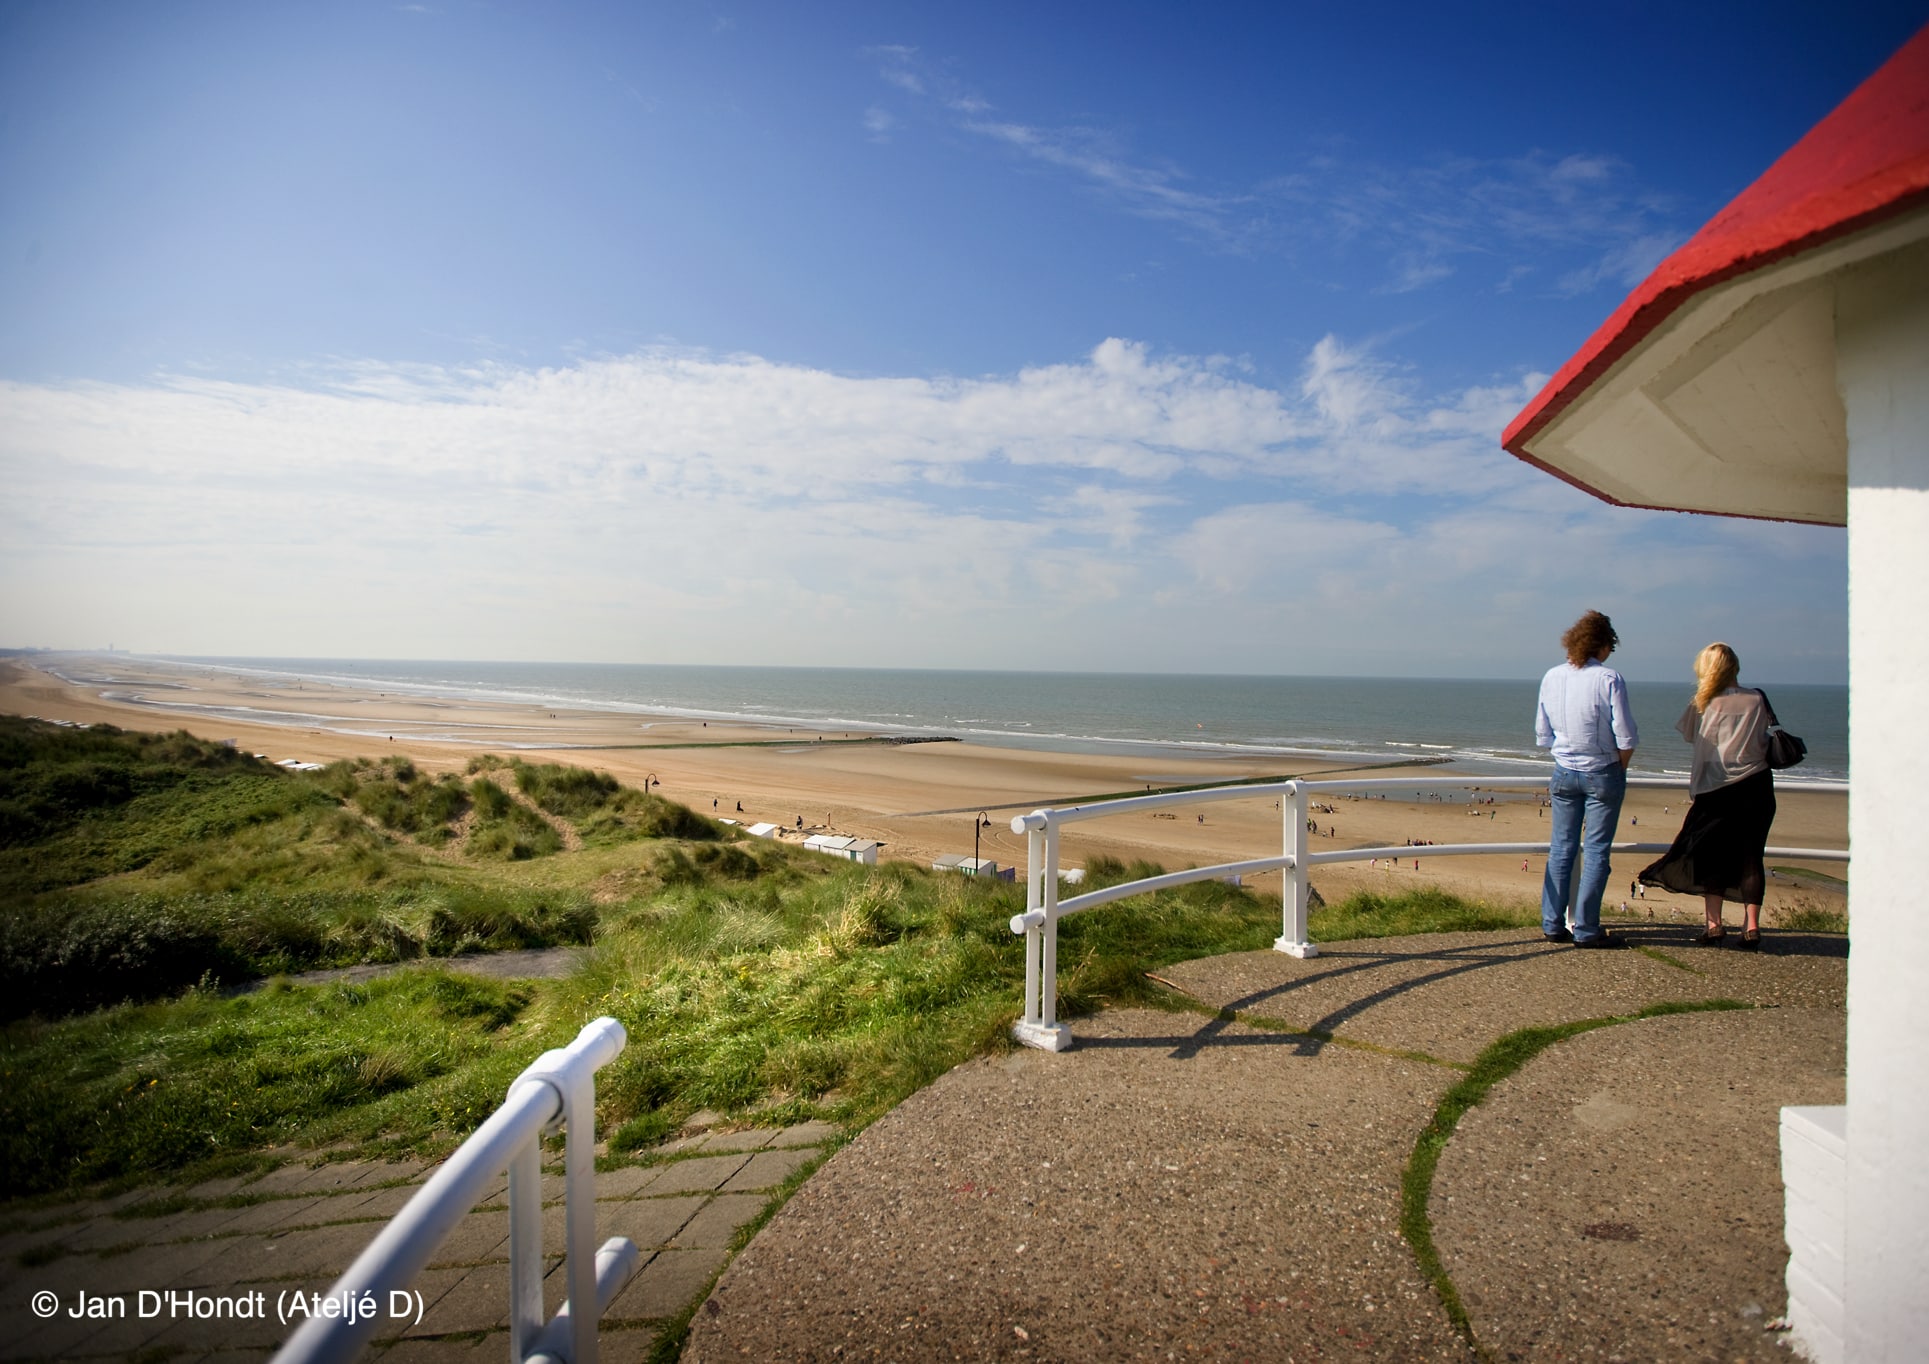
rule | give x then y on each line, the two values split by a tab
982	823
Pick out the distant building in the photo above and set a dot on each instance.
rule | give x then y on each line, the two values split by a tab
850	849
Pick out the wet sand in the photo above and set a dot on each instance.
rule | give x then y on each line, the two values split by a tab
920	800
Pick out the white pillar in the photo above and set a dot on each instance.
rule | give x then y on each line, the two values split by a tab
1882	370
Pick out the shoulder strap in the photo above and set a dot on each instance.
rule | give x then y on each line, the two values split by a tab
1773	723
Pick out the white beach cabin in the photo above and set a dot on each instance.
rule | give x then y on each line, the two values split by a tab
839	845
1777	366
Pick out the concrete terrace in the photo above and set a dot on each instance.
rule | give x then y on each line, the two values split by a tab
1222	1180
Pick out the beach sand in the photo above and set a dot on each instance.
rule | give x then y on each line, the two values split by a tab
919	800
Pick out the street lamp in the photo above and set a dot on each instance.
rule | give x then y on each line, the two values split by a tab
982	823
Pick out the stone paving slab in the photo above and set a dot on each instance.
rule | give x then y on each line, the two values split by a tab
1172	1185
699	1174
767	1169
667	1283
656	1222
1619	1197
718	1221
804	1134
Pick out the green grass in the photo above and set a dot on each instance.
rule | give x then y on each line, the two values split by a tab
399	796
506	828
1368	914
142	1090
1808	918
763	983
753	979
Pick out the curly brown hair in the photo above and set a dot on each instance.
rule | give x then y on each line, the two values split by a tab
1586	637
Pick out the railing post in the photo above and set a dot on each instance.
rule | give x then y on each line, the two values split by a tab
1034	936
525	1250
1040	1026
1048	965
577	1086
1293	939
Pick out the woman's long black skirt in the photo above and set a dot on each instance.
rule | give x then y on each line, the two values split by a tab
1719	848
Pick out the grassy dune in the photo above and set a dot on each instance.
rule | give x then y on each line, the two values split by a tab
139	874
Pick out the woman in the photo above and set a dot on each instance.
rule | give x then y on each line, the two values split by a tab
1718	853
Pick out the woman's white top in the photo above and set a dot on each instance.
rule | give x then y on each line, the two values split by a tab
1730	739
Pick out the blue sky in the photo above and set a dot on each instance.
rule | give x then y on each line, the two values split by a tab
1122	336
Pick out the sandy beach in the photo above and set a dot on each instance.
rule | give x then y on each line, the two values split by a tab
920	800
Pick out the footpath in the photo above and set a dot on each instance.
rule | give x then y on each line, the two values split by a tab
1222	1179
1227	1184
295	1229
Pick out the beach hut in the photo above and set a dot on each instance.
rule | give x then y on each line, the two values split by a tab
839	845
948	862
1777	366
763	830
977	866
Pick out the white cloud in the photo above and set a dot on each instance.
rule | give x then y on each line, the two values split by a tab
673	505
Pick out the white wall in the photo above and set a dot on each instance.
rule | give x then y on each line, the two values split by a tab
1882	369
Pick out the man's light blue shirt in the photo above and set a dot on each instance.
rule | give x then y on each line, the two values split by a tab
1584	717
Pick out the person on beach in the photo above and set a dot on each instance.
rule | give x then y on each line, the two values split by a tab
1584	717
1718	853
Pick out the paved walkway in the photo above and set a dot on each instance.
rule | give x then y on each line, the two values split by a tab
297	1228
1223	1183
1228	1186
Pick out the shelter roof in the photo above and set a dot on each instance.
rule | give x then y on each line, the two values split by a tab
1863	165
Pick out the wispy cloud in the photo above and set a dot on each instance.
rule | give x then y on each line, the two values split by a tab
1096	157
1583	218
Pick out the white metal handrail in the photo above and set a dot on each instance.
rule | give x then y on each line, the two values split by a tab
559	1088
1043	909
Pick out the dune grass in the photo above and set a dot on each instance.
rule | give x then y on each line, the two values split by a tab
146	1089
754	979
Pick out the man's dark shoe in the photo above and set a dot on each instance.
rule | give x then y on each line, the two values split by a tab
1565	935
1606	942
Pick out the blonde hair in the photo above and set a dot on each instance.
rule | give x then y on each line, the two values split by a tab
1716	669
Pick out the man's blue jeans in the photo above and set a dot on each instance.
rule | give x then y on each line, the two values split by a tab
1586	807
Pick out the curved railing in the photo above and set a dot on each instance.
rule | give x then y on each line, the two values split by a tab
1043	909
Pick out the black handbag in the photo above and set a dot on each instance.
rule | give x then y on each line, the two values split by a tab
1784	749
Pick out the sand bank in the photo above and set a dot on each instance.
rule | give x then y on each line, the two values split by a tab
920	800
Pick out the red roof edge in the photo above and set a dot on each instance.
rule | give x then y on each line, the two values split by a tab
1866	162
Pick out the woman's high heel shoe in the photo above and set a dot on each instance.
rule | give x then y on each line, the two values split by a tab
1750	940
1711	937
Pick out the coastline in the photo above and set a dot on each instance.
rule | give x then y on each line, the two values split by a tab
920	800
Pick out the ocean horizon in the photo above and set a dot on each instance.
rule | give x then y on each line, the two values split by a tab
1478	725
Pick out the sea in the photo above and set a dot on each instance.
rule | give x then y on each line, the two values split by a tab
1479	726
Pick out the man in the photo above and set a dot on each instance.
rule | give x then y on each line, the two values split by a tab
1584	717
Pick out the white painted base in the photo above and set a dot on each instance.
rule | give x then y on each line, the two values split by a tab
1044	1036
1815	1177
1295	949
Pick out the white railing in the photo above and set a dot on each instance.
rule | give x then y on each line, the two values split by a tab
1043	909
559	1088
